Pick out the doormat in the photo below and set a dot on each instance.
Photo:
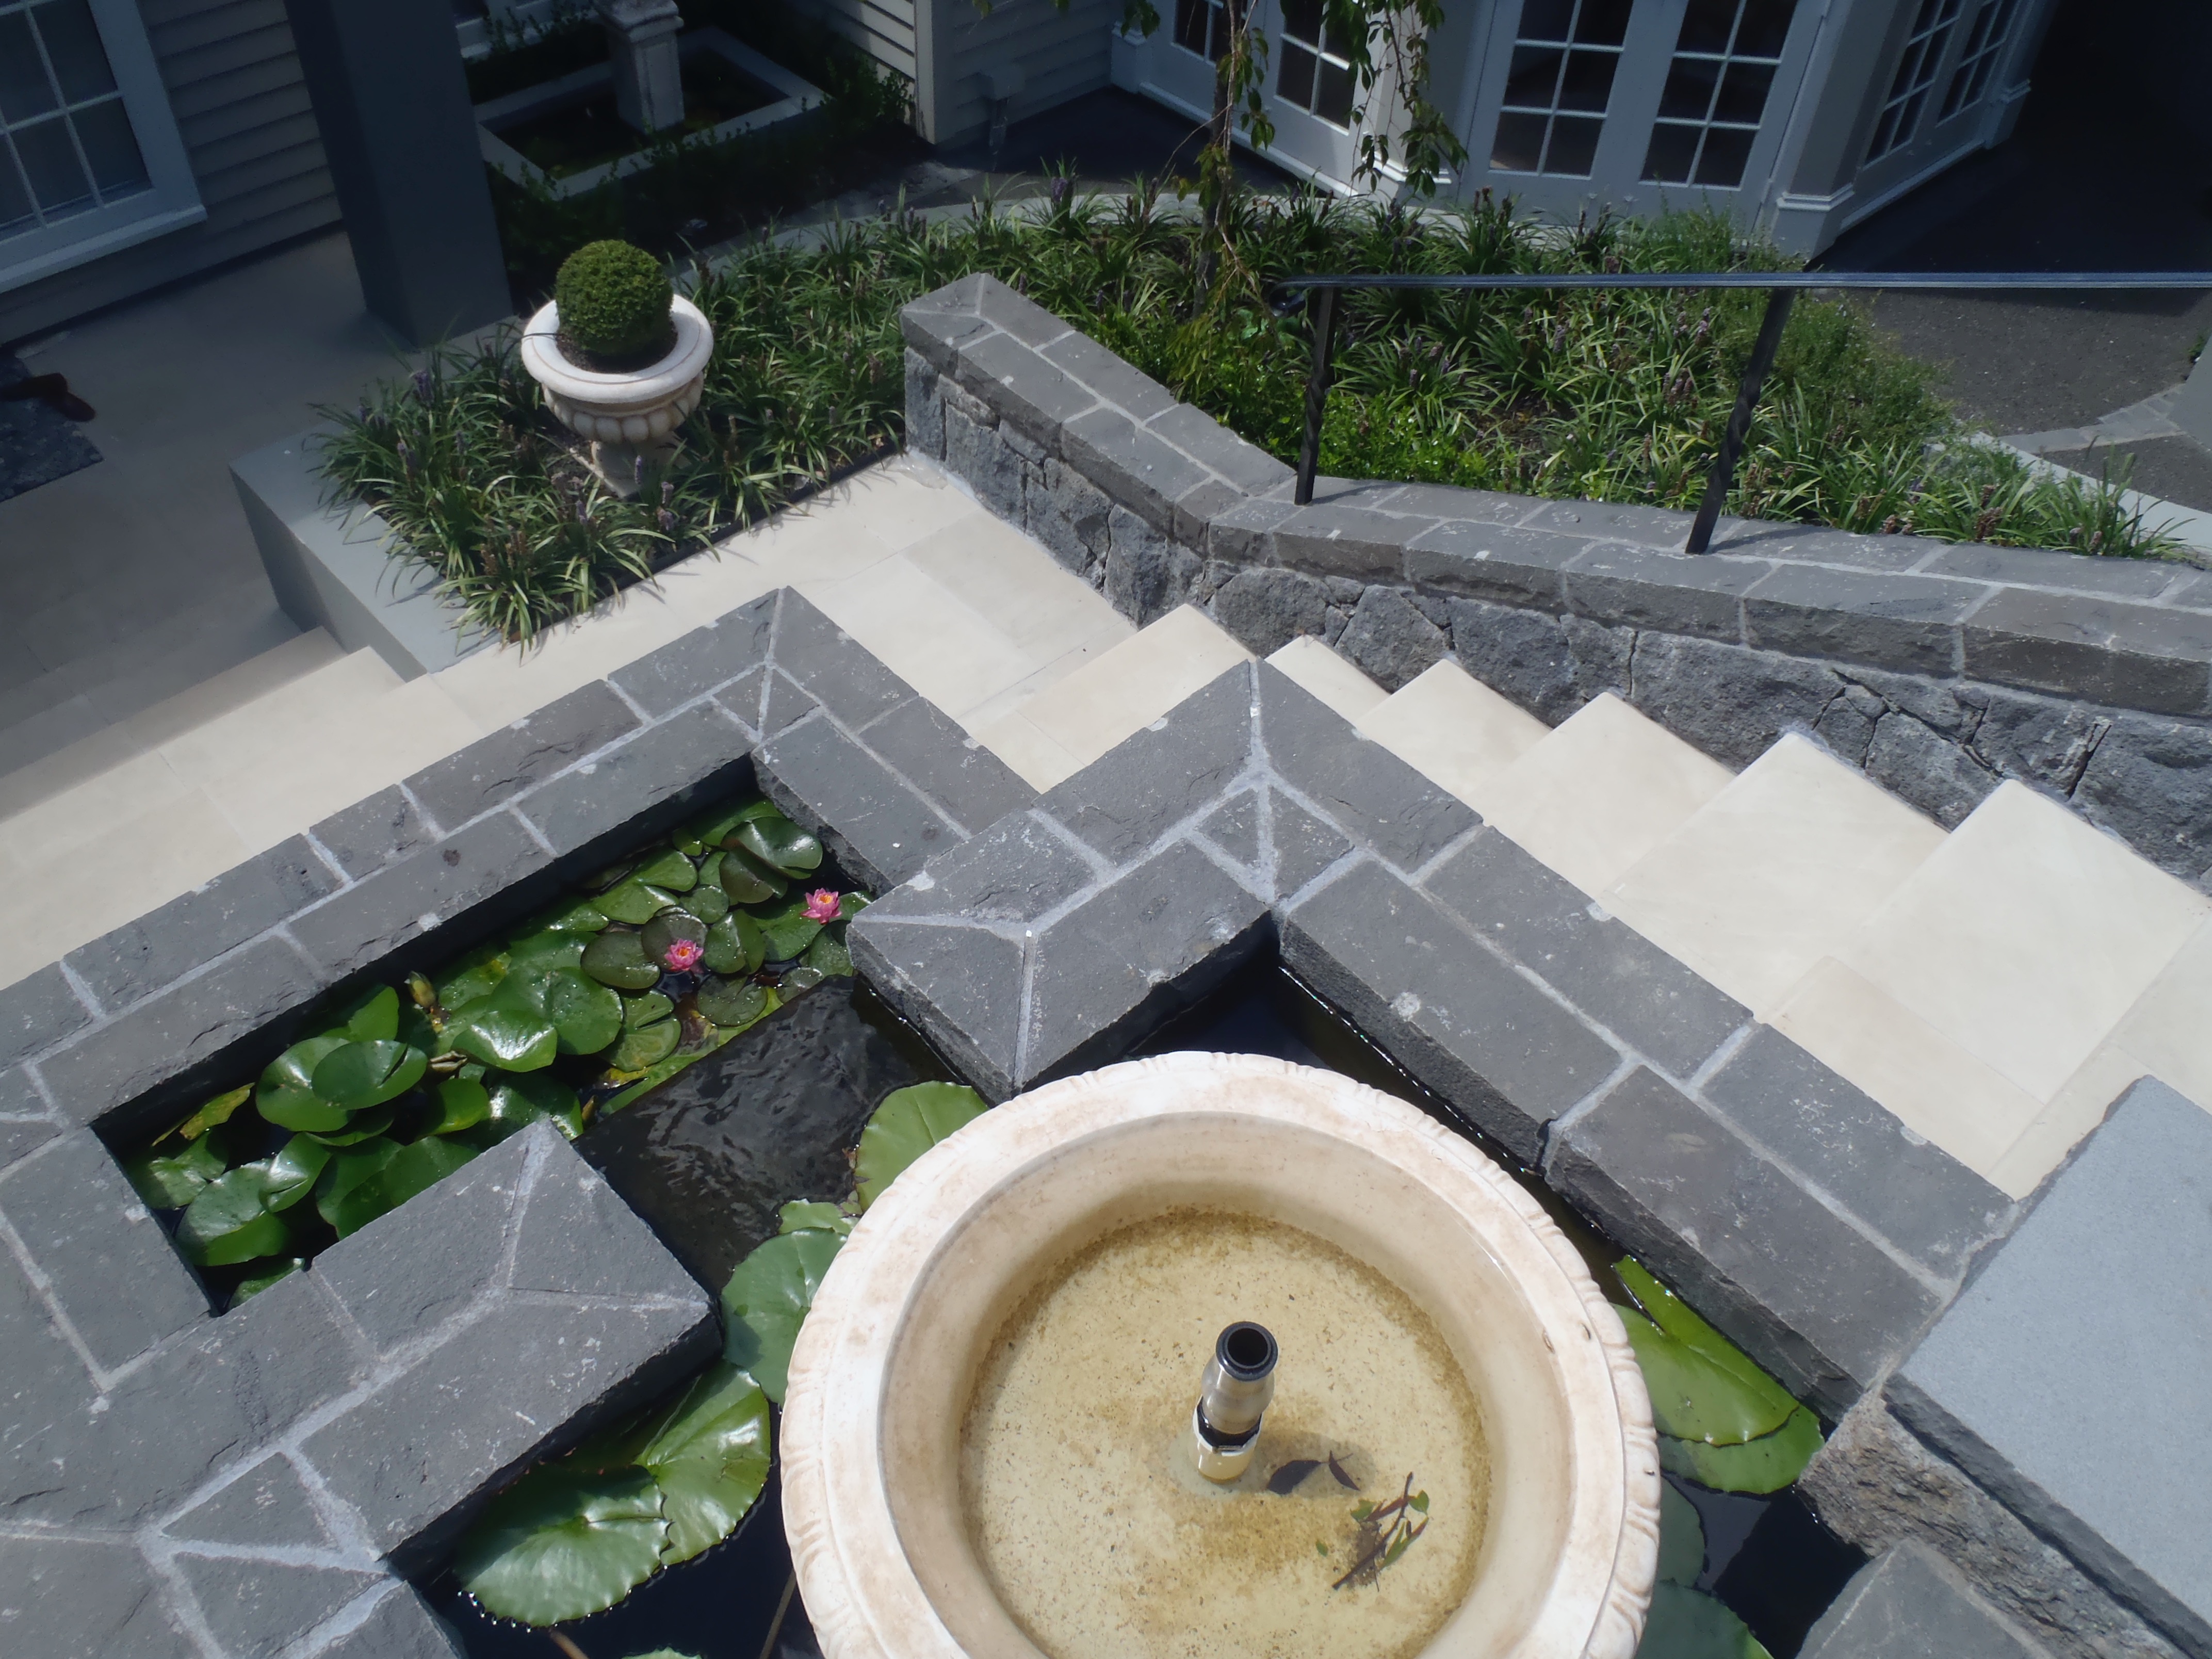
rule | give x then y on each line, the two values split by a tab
38	443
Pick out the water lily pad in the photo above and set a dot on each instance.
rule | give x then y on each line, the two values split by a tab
254	1284
172	1182
634	901
851	905
476	975
828	956
804	1212
1693	1398
734	1003
779	844
418	1167
709	1455
708	901
463	1102
290	1175
342	1196
672	871
518	1101
666	929
1681	1537
228	1223
359	1075
646	1045
373	1018
619	960
551	947
787	928
715	828
909	1123
747	881
362	1126
1766	1464
586	1014
215	1113
1681	1322
1687	1624
286	1094
646	1008
735	945
800	980
766	1301
559	1544
507	1030
569	916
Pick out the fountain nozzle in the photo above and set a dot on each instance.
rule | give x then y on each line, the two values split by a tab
1232	1397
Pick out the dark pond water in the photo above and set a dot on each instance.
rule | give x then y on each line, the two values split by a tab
584	134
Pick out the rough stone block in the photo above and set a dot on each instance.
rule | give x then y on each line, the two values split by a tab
1459	1018
1136	793
429	886
1116	381
2151	781
1909	623
879	829
966	781
1148	945
85	1598
699	662
107	1261
1730	701
1909	1191
1267	609
1616	977
106	1070
497	768
2039	1381
1367	790
1029	391
1551	665
1067	512
268	1505
975	450
37	1012
1847	725
1908	1604
1389	638
1135	467
2134	656
370	834
698	753
833	668
1651	587
1500	563
1918	765
1147	573
925	408
1814	1299
2042	739
254	1606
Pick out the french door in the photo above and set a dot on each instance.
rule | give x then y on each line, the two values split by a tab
1945	88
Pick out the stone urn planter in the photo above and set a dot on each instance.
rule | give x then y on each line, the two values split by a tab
987	1437
630	417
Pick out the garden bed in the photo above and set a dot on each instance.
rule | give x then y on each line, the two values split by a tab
1605	396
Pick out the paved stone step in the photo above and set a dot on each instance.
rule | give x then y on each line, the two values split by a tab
1601	791
1996	973
1337	684
1070	724
1453	729
1908	1604
1773	873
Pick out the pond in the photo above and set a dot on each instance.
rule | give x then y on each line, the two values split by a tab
578	136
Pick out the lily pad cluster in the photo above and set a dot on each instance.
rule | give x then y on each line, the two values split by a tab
654	964
574	1537
1723	1422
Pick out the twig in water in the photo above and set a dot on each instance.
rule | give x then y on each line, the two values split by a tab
775	1624
567	1646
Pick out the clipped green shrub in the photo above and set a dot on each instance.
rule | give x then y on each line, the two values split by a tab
614	300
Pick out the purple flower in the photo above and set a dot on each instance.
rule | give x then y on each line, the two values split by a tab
423	385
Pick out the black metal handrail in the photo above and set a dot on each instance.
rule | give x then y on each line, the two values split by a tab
1782	288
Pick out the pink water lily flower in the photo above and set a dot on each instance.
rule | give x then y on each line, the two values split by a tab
822	905
681	954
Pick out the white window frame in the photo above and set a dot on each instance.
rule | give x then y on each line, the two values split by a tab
172	203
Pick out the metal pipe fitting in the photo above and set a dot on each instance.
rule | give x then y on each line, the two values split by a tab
1233	1394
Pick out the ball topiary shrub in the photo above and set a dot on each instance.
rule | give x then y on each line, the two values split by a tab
614	300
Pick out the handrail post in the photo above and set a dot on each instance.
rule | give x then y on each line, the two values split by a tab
1755	372
1322	305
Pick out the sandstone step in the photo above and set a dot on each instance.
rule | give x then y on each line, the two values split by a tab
1070	724
1774	872
1332	679
1601	791
1453	729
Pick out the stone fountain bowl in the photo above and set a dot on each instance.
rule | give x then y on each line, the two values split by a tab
887	1360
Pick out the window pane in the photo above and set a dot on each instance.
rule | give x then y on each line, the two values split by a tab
1604	23
1333	101
1546	20
1885	134
1296	82
1765	25
1191	17
1588	80
1743	94
1302	21
1534	77
1707	25
1574	146
110	149
73	47
24	88
1520	145
1673	149
1689	94
1725	150
15	201
51	160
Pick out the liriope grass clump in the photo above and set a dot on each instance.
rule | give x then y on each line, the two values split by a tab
1608	396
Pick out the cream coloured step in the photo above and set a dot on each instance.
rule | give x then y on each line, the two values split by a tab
1598	793
2022	945
1332	679
1070	723
1453	729
1774	872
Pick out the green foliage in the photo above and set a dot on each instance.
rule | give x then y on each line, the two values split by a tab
1681	1537
614	299
909	1123
1687	1624
1723	1422
766	1300
601	997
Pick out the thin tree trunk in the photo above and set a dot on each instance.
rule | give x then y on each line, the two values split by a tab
1217	166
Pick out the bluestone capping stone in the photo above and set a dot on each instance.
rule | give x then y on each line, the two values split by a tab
142	956
1252	470
1881	620
1111	377
1303	845
261	1607
1909	1604
1652	587
1448	1010
431	885
969	783
371	833
961	985
1140	471
2084	1327
576	1238
1812	544
1194	509
23	1133
105	1260
1812	1298
415	1267
879	830
1244	533
1016	312
1235	827
398	1626
831	666
1659	527
1617	977
1373	796
1026	389
701	661
1133	794
497	767
2145	579
1347	537
37	1012
939	336
85	1598
164	1037
267	1506
1501	562
1909	1191
1451	502
1149	943
696	753
1014	871
2136	656
775	704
